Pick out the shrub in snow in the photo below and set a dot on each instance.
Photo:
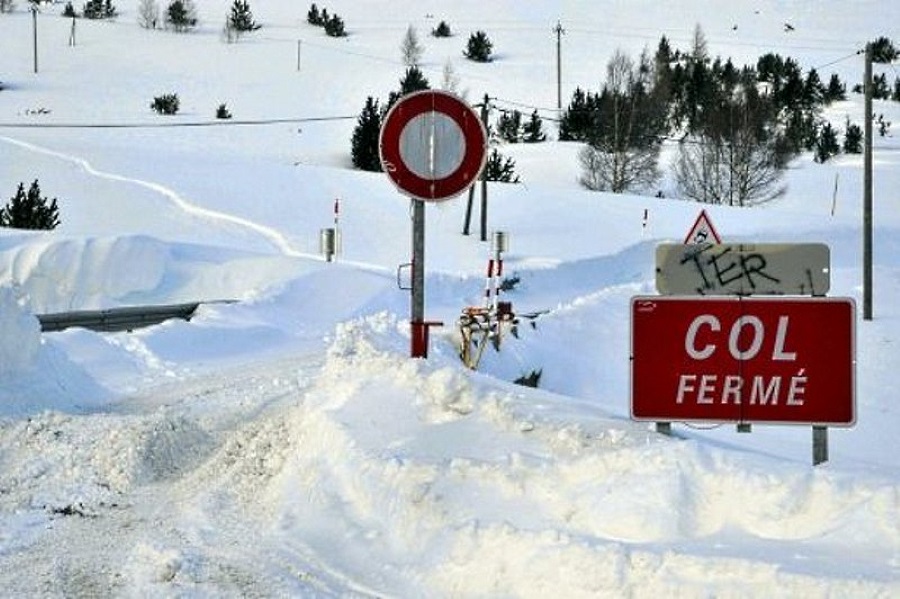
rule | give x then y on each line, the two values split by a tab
165	104
99	9
500	168
30	210
442	30
334	27
314	17
20	334
181	15
479	47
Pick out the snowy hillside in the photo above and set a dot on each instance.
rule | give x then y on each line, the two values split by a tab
283	442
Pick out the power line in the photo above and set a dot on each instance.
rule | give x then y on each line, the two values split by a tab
217	123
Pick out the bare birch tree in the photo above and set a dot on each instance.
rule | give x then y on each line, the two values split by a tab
411	49
148	14
625	138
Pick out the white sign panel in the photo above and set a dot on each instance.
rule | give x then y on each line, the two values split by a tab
743	269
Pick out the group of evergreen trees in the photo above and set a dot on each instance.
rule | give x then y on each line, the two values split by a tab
511	129
92	9
181	16
737	127
98	9
333	24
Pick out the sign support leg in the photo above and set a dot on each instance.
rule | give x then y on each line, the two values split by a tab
664	428
418	328
820	445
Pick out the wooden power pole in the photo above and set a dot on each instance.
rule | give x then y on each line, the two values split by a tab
468	218
559	31
484	120
867	190
34	12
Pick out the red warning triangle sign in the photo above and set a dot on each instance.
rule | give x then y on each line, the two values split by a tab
703	231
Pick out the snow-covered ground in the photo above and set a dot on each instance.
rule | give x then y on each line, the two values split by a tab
283	443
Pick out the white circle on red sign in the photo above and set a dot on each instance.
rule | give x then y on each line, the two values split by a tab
432	145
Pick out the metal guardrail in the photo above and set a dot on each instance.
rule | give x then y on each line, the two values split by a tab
117	319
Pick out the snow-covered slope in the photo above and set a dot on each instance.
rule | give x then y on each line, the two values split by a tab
282	443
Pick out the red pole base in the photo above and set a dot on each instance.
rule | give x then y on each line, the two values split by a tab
419	337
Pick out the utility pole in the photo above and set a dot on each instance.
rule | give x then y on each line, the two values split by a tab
34	12
468	217
484	120
867	190
559	31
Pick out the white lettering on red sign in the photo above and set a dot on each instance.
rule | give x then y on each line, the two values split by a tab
778	352
712	388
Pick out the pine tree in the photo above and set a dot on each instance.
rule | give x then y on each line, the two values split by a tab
853	138
509	126
442	30
413	80
98	9
880	89
313	17
334	27
500	168
576	120
181	15
364	144
533	129
30	211
826	144
479	47
883	51
836	91
241	17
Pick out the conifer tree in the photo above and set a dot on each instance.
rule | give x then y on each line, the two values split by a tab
181	15
835	91
826	144
479	47
500	168
364	144
313	17
442	30
533	129
413	80
334	26
853	138
241	17
509	126
30	210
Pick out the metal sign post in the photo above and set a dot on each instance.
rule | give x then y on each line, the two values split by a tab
432	146
418	327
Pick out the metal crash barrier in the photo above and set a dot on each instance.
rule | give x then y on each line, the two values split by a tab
117	319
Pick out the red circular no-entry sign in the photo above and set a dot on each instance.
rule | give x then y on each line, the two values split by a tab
432	145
